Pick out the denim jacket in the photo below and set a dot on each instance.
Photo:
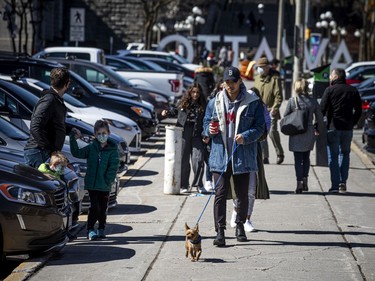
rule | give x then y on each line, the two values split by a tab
249	122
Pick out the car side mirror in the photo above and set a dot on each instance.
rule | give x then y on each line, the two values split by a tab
5	111
108	83
77	92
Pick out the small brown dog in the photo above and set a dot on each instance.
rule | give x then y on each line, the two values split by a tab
193	242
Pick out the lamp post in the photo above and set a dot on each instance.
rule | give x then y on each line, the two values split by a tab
159	28
329	25
189	24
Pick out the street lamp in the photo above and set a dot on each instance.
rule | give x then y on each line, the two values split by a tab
159	28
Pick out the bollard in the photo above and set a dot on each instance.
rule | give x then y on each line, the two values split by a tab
172	162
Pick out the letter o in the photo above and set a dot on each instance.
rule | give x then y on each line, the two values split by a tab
182	40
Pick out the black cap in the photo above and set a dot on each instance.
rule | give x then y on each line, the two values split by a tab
232	73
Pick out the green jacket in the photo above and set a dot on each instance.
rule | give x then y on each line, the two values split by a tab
102	163
44	168
270	91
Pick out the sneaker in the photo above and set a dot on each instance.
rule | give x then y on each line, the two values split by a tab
266	161
92	235
101	233
201	190
280	159
208	186
233	219
184	190
333	190
342	187
249	226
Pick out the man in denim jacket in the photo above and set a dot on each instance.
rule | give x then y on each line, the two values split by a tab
241	123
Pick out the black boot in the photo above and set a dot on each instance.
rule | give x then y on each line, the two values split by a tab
299	187
220	238
305	186
240	233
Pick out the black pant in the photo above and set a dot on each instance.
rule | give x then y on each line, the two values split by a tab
302	164
241	187
98	209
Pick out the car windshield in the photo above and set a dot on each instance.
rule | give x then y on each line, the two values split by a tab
73	101
12	131
118	77
25	95
180	59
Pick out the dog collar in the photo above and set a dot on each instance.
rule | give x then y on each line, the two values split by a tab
197	241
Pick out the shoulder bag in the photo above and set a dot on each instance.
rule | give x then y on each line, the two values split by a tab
296	122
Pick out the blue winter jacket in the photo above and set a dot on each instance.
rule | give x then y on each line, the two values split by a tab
249	122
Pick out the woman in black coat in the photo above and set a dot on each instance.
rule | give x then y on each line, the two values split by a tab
190	113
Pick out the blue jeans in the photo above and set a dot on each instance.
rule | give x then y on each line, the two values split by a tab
338	155
35	156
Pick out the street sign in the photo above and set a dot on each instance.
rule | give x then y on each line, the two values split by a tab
77	24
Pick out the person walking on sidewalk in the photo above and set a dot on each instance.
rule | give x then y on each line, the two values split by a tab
302	144
269	85
239	125
102	164
190	113
258	188
341	105
47	127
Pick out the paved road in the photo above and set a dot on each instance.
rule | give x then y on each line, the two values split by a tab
312	236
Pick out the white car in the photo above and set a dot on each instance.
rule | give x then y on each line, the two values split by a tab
118	124
156	54
357	65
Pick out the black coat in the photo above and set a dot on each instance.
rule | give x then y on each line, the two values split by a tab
338	103
47	128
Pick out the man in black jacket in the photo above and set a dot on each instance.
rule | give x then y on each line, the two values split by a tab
341	105
47	128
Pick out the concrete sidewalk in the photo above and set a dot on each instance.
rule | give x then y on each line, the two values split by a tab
309	236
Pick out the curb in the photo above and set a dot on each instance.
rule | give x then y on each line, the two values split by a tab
366	158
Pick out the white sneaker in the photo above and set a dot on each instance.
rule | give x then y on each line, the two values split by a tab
233	219
208	186
249	226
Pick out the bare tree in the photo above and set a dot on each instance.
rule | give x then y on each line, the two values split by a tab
151	10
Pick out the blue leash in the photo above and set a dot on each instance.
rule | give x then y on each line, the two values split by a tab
213	190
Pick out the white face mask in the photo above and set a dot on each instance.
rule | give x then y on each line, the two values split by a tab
102	138
59	169
260	70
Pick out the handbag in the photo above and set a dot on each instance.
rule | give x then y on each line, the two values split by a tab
296	122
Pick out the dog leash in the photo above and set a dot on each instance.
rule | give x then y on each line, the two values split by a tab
213	190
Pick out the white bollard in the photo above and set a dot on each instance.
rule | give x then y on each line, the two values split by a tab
172	162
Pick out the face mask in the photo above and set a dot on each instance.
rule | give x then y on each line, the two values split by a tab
260	70
59	169
102	138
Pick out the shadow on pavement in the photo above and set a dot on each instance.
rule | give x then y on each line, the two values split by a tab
143	173
131	209
136	183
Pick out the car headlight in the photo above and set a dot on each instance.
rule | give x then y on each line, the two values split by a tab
141	112
79	168
158	98
118	124
25	195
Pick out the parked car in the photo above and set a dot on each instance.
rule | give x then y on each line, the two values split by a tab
34	211
118	124
131	63
368	136
102	75
84	53
143	115
358	65
360	74
156	54
167	65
